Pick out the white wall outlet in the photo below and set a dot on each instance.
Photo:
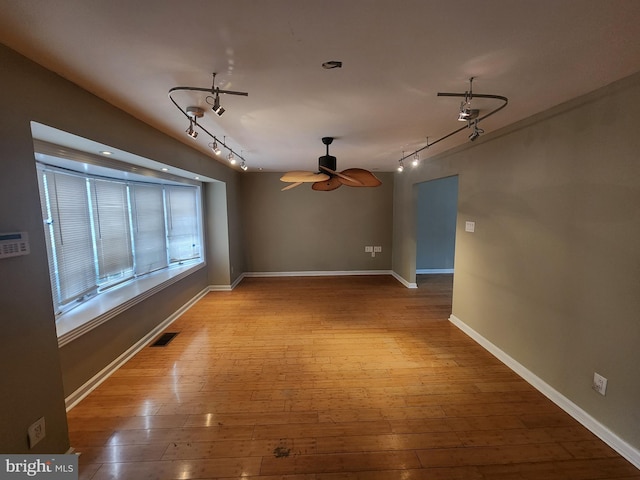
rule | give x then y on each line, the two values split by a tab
368	249
36	432
470	227
377	249
599	383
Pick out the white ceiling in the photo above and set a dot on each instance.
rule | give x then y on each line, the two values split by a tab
396	54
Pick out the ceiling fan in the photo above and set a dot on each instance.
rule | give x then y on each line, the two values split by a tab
327	178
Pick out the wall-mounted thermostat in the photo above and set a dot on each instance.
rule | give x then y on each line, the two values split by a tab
14	244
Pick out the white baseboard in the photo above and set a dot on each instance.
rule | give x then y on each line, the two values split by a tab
619	445
89	386
323	273
432	271
403	281
226	288
317	273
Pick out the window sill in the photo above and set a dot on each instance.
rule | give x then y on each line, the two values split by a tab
109	304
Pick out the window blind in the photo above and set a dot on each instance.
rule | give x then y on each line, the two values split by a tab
111	228
149	234
182	223
72	245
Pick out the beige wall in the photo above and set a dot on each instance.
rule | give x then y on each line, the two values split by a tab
36	376
552	274
305	230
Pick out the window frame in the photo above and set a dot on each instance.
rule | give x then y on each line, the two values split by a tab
113	298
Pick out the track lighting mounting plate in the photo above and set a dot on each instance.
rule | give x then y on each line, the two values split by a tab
195	112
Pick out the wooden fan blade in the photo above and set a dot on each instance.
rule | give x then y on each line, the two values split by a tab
291	185
300	176
327	185
364	177
345	177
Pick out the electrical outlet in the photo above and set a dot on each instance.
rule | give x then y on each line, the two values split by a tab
599	383
377	249
368	249
36	432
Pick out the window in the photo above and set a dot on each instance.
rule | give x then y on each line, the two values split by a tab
102	232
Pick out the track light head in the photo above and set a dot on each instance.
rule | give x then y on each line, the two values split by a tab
243	166
416	160
217	108
191	131
401	166
214	147
194	113
476	132
231	158
467	113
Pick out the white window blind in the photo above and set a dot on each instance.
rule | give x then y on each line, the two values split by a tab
182	223
148	228
112	232
70	230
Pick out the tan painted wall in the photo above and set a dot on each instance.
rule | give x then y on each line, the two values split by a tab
35	375
552	274
304	230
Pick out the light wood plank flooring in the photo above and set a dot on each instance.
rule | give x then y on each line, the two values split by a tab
328	379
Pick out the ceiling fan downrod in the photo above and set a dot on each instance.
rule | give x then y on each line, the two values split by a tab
327	161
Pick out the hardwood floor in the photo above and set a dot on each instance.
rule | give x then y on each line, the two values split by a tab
322	378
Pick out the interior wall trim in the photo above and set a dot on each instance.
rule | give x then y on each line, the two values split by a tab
628	451
93	383
318	273
431	271
406	283
321	273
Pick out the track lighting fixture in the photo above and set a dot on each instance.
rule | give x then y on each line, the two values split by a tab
416	159
190	131
466	114
243	166
217	108
214	148
193	113
476	131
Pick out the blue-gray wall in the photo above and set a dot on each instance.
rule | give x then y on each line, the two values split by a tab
436	212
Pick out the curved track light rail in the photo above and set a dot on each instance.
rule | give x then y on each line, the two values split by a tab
466	95
213	91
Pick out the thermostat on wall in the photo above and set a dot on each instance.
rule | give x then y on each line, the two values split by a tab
14	244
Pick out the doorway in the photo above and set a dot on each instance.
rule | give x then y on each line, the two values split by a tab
436	214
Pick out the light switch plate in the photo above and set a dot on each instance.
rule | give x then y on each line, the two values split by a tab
470	227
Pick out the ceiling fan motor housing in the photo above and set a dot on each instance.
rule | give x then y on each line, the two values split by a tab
327	161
